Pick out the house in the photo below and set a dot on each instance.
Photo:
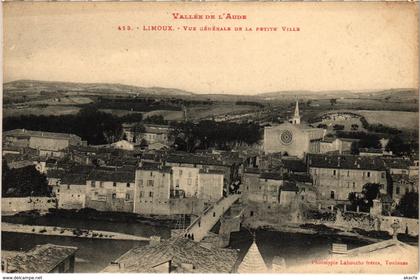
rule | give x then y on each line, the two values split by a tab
229	166
337	145
46	258
288	193
123	145
175	255
71	191
186	178
335	176
210	184
402	184
153	186
110	190
47	143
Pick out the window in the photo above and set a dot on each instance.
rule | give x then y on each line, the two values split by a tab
114	196
348	173
92	184
354	185
150	183
334	172
68	187
189	181
368	174
128	185
141	182
332	195
189	174
151	173
141	194
251	213
114	184
101	184
383	175
127	196
150	194
397	190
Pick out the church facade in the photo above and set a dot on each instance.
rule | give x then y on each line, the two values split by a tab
293	138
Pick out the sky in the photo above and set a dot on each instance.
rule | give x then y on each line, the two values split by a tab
340	46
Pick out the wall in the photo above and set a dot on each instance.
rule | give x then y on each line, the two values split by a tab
105	196
152	192
18	204
71	196
210	186
298	146
344	181
187	180
48	143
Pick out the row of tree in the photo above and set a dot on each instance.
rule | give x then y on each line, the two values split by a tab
189	136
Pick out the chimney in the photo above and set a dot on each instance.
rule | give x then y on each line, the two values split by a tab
121	265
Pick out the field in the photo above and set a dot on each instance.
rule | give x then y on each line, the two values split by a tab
397	119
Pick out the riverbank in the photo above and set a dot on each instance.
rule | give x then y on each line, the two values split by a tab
69	232
309	229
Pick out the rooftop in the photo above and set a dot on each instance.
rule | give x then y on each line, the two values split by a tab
41	259
45	134
179	251
111	176
346	162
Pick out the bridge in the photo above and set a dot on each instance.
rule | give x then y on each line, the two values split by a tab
201	226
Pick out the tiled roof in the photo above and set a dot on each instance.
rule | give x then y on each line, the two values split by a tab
197	159
346	162
212	171
398	163
271	176
180	251
29	133
111	176
154	166
41	259
74	179
294	165
253	262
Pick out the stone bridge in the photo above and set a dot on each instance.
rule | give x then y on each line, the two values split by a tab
201	226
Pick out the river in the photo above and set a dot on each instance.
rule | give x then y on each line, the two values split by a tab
94	255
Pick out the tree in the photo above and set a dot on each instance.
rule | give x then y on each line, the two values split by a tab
365	199
398	146
333	101
26	181
409	205
370	141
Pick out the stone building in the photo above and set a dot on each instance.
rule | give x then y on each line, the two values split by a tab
153	184
335	145
46	143
71	191
335	176
110	190
293	138
211	184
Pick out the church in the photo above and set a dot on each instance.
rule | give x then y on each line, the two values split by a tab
293	138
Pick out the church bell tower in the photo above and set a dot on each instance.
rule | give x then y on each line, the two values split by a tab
296	116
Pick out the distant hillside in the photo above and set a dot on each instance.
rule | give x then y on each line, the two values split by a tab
32	87
393	95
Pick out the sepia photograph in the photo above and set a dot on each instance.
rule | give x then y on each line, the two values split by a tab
216	137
